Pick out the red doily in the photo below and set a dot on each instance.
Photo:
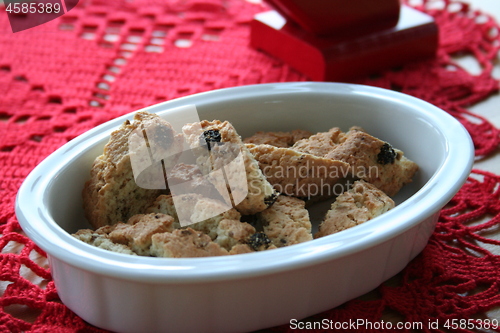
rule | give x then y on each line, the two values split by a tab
107	58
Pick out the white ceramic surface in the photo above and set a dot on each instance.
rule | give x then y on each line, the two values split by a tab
251	291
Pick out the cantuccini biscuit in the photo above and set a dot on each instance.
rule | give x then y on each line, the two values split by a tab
248	187
371	159
297	173
185	243
361	203
278	139
286	222
224	228
111	194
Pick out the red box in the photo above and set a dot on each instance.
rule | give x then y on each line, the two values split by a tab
346	56
325	17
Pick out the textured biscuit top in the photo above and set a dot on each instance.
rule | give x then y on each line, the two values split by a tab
371	159
320	144
111	194
100	238
297	173
137	232
375	161
278	139
361	203
286	222
223	227
185	243
230	161
188	178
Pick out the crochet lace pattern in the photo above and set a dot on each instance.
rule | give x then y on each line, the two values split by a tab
106	58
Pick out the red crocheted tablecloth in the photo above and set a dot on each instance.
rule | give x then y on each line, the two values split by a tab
107	58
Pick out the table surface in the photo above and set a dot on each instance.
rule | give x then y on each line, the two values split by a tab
488	109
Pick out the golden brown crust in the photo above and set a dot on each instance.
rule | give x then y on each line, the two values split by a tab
137	232
251	195
375	161
286	222
111	194
371	159
225	228
320	144
361	203
233	232
185	243
278	139
299	174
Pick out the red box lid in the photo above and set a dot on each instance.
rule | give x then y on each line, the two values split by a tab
326	17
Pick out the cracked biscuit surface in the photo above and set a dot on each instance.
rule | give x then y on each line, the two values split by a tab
185	243
297	173
224	228
361	203
112	194
278	139
228	159
286	222
371	159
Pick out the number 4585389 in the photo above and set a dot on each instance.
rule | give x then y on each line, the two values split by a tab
33	7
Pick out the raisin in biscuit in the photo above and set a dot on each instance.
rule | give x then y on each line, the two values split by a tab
370	159
361	203
111	194
299	174
286	222
185	243
278	139
225	153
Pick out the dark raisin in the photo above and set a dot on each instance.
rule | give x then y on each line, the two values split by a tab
250	219
257	240
387	154
269	200
163	137
210	137
186	232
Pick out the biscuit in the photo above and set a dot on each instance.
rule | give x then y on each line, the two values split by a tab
185	243
320	144
112	194
225	228
249	189
278	139
191	179
361	203
100	239
137	232
241	249
371	159
286	222
233	232
299	174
